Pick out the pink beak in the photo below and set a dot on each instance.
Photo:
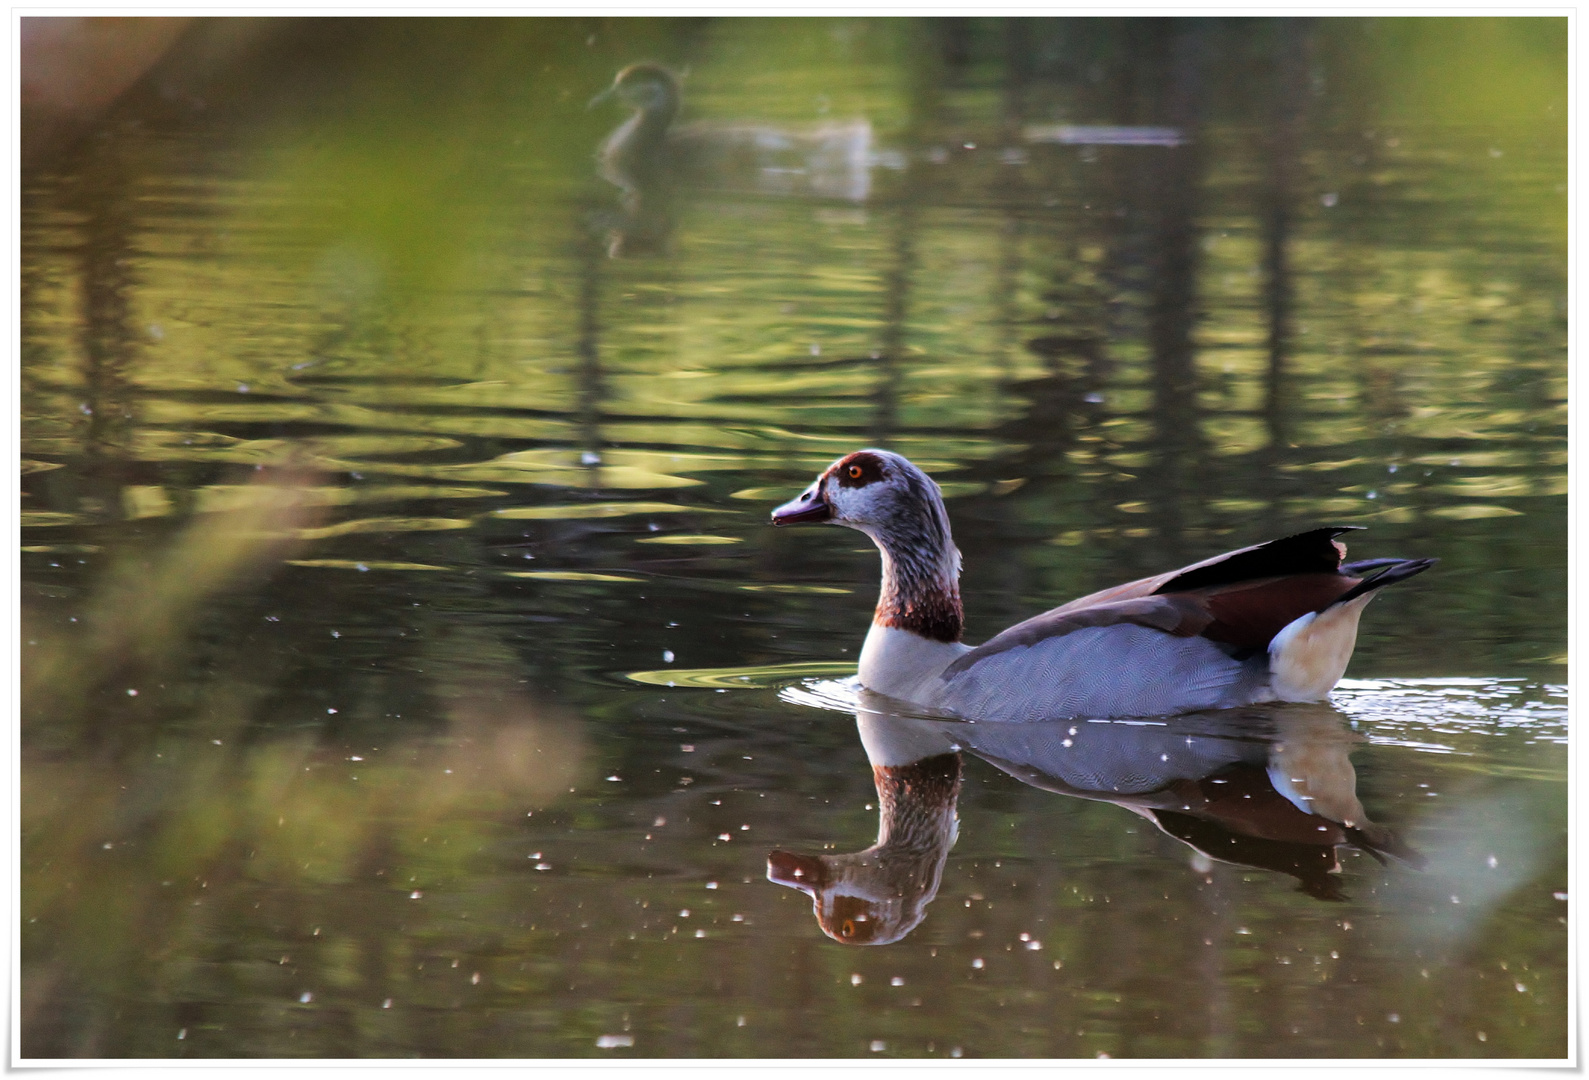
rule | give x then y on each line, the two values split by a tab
810	506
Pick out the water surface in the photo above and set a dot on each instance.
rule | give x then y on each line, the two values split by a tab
410	668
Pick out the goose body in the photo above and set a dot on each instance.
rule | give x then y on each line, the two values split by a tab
1271	622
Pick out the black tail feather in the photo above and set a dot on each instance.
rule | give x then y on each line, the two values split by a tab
1311	552
1397	570
1363	566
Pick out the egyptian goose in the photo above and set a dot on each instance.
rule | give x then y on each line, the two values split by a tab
1272	622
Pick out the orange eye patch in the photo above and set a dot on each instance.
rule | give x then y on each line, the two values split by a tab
859	470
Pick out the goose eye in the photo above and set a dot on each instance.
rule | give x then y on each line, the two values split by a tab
848	928
855	472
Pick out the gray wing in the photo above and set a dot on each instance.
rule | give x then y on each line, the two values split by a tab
1098	757
1138	657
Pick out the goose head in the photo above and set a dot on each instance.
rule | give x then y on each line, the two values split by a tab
892	501
875	492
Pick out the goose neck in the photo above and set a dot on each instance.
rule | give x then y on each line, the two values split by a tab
921	587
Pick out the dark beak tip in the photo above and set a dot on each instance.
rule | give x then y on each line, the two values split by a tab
802	510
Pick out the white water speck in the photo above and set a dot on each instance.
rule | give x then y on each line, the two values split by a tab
878	1046
897	980
305	998
711	884
612	1042
978	963
856	979
667	656
415	895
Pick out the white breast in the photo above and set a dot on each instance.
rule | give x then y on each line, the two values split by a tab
905	665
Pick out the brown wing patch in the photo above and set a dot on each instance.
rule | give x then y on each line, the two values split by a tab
1310	552
1252	613
1130	590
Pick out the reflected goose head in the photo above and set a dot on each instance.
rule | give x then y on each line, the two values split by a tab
877	896
843	909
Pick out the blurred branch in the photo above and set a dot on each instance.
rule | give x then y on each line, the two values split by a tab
145	608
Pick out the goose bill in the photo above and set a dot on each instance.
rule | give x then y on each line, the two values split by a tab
802	872
808	507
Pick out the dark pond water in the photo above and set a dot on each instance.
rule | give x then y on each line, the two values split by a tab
410	669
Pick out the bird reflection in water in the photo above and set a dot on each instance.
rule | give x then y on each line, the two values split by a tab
648	155
1270	787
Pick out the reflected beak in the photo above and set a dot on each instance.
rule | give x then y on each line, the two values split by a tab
803	872
599	98
810	506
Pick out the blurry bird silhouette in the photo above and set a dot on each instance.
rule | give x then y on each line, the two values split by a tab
649	156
